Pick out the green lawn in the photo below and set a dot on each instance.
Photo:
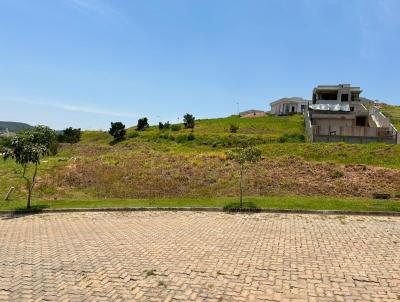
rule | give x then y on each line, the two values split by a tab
286	202
392	112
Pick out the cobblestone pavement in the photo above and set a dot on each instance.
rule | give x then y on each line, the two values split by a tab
164	256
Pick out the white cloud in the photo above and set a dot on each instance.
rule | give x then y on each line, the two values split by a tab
74	108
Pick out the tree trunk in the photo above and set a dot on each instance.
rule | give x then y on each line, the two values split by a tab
30	187
240	187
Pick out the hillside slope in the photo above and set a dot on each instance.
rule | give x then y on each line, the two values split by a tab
13	126
154	163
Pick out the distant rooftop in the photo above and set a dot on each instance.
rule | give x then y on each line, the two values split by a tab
337	87
293	99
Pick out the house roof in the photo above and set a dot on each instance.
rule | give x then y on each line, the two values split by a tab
294	99
251	111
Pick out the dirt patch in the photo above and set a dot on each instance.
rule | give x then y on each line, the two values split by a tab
143	174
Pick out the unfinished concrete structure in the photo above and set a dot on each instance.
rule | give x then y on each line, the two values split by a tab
286	106
337	114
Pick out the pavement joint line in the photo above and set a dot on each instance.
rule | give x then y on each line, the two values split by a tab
203	209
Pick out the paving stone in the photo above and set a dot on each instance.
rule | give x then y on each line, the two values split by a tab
167	256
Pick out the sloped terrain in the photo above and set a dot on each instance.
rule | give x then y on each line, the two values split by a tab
154	163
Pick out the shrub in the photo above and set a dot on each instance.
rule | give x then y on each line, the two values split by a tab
336	174
234	128
117	130
160	126
176	127
191	137
5	142
292	138
188	121
70	135
181	138
142	124
167	125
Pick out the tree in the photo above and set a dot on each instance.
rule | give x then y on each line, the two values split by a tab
243	157
142	124
29	147
160	126
188	121
70	135
117	130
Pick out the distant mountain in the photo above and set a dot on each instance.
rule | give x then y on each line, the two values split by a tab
13	126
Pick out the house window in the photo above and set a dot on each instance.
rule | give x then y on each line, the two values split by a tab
303	107
345	97
354	97
361	121
329	96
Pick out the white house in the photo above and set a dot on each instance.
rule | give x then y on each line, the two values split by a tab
288	106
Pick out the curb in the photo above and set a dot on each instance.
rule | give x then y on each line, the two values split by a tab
200	209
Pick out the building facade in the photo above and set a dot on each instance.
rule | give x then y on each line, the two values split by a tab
337	114
287	106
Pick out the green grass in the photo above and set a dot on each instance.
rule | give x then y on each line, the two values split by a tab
374	154
285	202
392	112
213	132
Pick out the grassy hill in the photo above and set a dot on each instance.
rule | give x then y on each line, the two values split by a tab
392	112
13	126
155	164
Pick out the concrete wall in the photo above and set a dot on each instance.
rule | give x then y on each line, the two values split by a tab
353	139
350	131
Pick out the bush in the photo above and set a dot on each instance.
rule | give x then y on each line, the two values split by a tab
70	135
234	128
336	174
167	125
176	127
5	142
188	121
292	138
160	126
142	124
117	130
183	138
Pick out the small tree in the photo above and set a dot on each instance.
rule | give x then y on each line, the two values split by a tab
70	135
160	126
29	147
243	157
167	125
117	130
142	124
188	121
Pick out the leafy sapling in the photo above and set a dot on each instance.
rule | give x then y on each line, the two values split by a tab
244	157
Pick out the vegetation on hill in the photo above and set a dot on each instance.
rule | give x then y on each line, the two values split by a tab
175	162
13	126
392	112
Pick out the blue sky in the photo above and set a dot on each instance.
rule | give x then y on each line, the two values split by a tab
84	63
